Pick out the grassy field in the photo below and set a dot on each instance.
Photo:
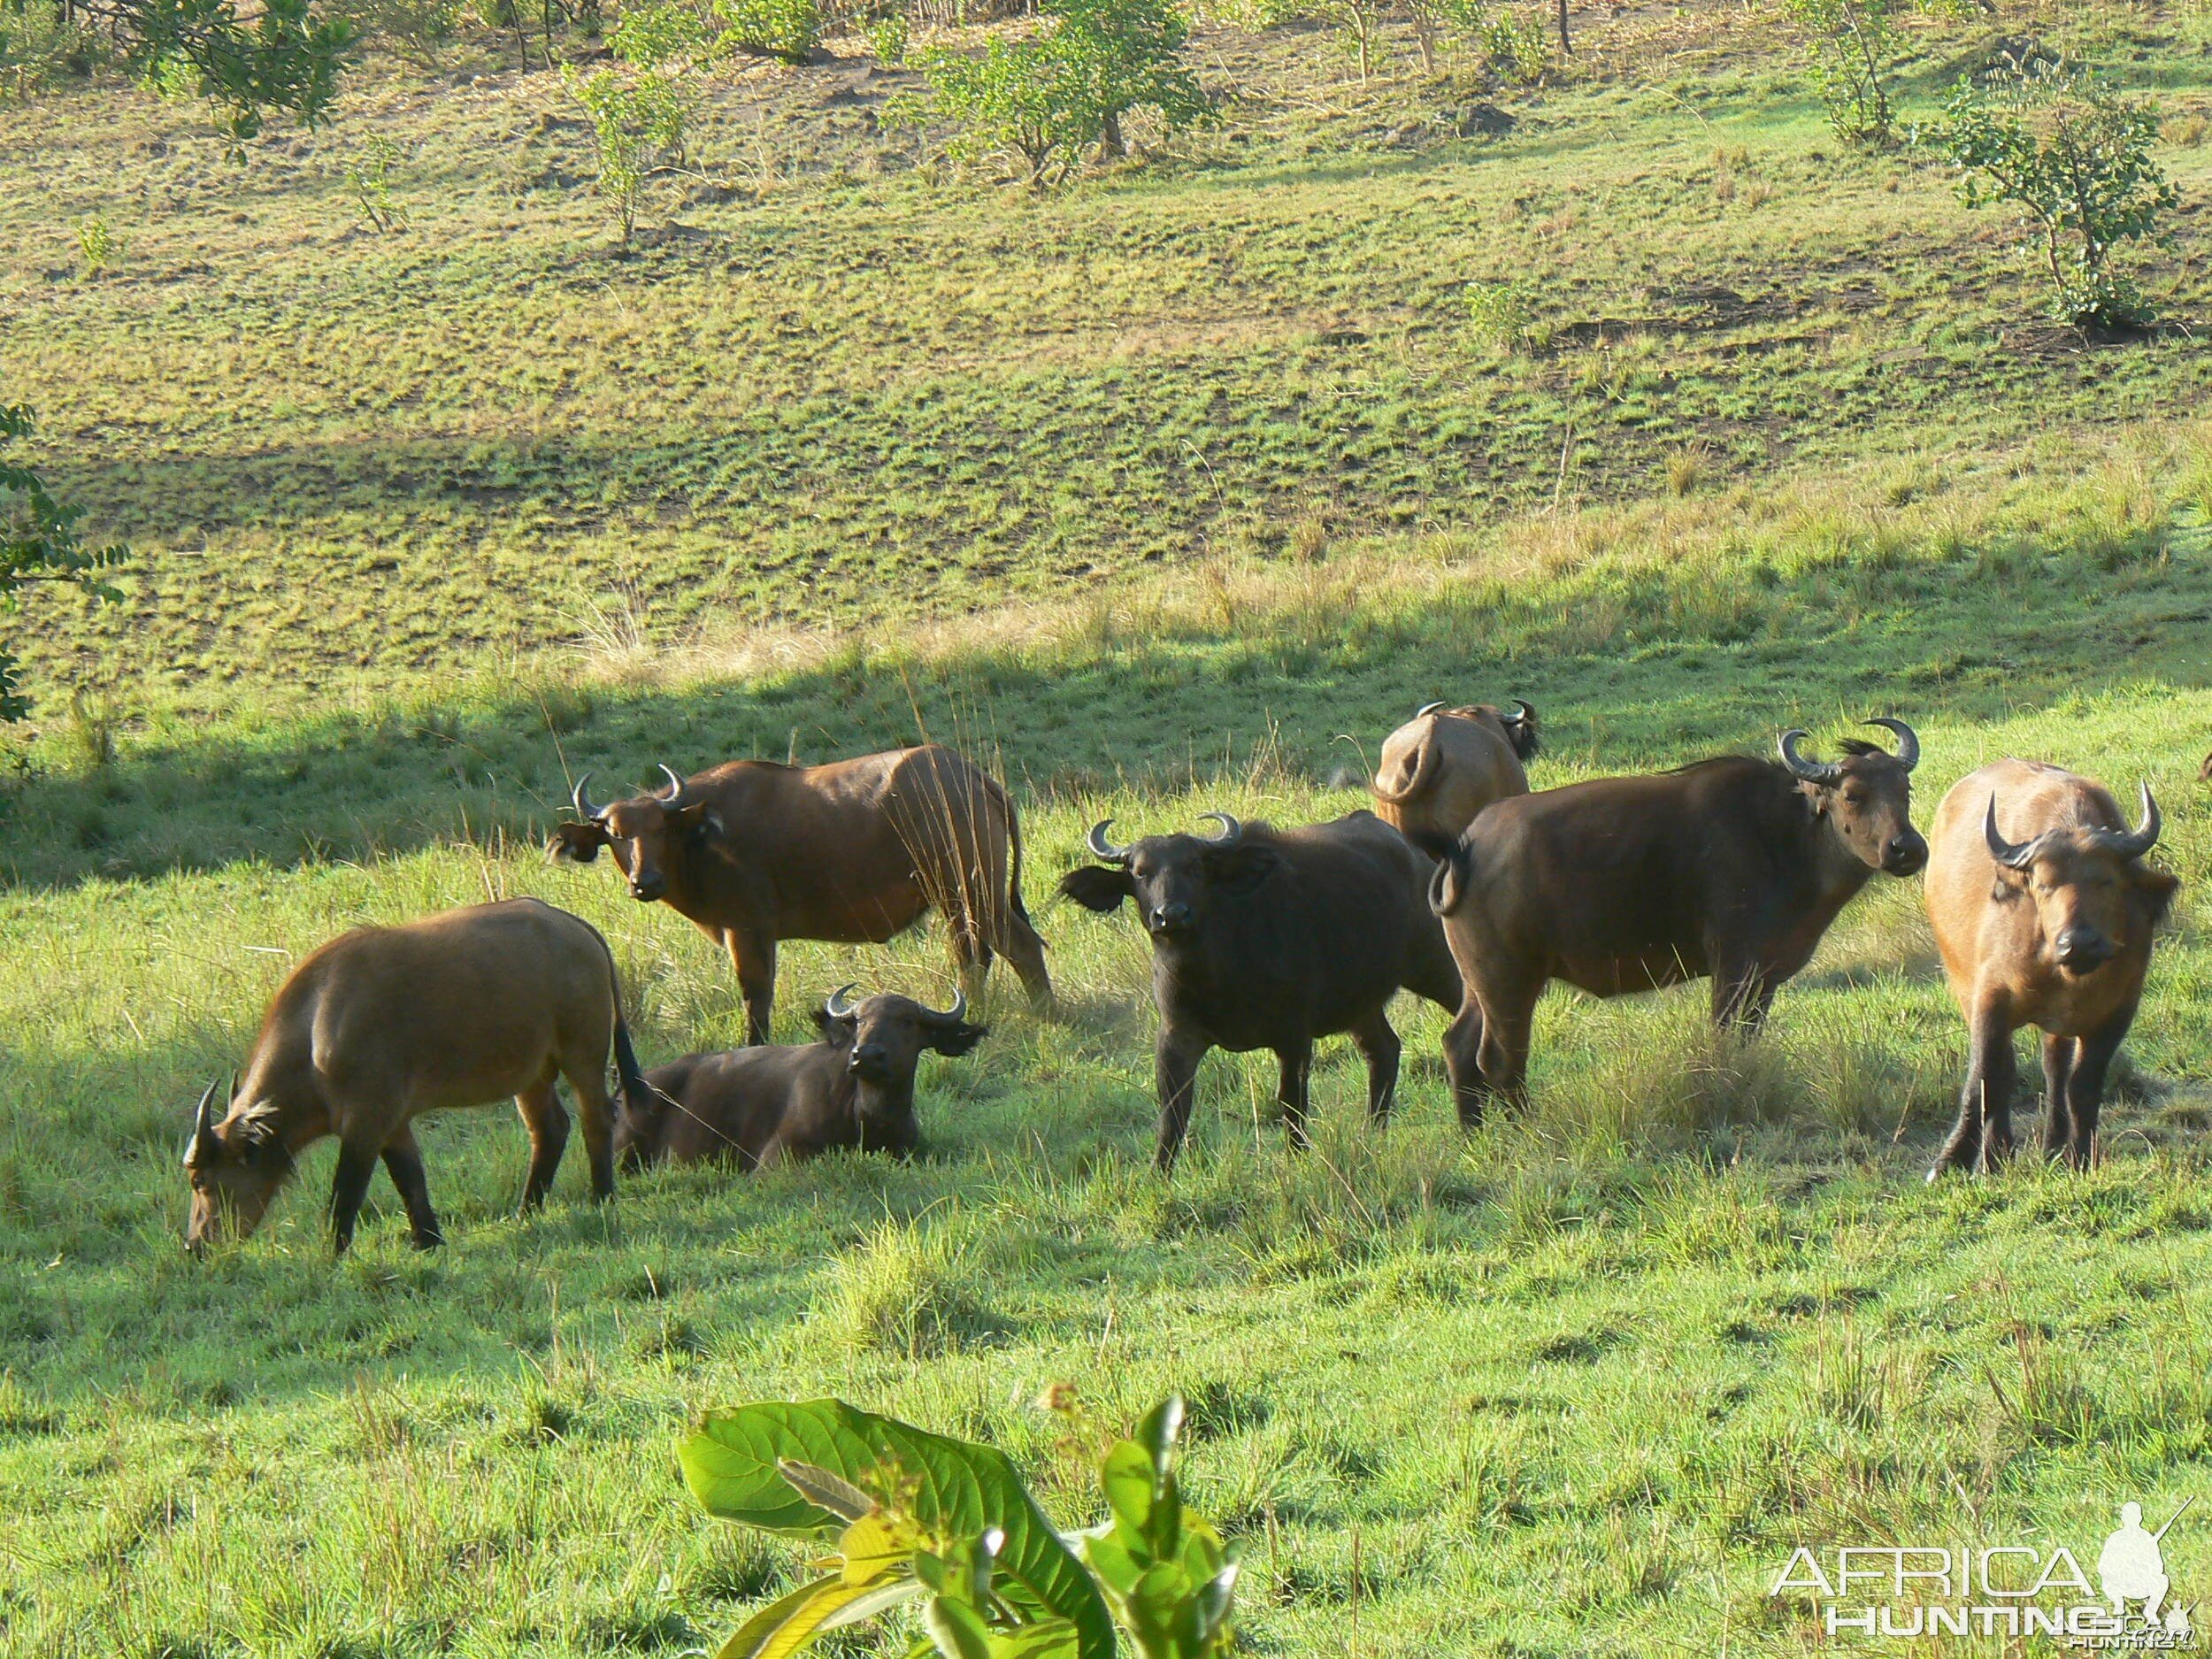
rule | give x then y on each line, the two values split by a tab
1172	494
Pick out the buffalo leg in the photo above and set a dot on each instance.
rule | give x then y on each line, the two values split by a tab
1462	1063
1175	1069
2084	1087
754	961
1024	951
1508	1019
1294	1090
1982	1137
2058	1071
1378	1044
1740	998
597	1110
547	1120
357	1167
402	1161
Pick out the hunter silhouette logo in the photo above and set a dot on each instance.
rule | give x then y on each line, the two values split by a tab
2009	1590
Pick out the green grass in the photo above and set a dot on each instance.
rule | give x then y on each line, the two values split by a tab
1174	493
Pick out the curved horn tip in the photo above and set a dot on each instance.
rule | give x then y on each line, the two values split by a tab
837	1007
1103	849
1908	740
958	1011
1232	831
1811	771
581	801
2012	855
1527	709
1427	709
2145	835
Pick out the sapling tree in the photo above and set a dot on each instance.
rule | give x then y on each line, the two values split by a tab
787	29
1043	100
638	119
2075	158
948	1528
38	543
1852	42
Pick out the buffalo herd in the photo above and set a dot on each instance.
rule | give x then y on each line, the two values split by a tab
1463	886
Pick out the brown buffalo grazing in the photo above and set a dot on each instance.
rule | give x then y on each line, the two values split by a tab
1731	868
2044	911
1269	939
384	1024
767	1105
1444	765
754	853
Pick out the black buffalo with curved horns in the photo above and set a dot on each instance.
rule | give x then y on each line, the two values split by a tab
1270	938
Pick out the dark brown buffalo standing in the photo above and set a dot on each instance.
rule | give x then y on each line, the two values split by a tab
2044	912
766	1105
1268	939
754	853
1444	765
1732	868
384	1024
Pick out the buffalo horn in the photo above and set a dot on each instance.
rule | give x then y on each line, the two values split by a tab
204	1144
1908	741
1231	832
954	1015
1103	849
1527	713
1426	707
585	810
2134	843
673	801
1811	771
837	1007
2012	855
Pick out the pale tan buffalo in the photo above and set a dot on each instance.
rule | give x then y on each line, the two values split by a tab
384	1024
1444	765
2044	911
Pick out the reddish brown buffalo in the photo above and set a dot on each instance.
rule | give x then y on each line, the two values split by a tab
2044	910
780	1104
384	1024
1732	868
1444	765
754	853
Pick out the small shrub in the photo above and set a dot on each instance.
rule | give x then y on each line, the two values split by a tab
1515	46
96	243
1852	42
1500	313
370	179
2075	157
889	38
416	31
1436	22
640	122
788	30
650	37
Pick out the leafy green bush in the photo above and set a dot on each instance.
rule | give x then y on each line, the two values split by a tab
1852	42
917	1517
1434	22
889	37
2075	157
788	30
38	543
41	46
649	36
1515	46
369	176
95	241
417	31
1044	100
1501	313
640	122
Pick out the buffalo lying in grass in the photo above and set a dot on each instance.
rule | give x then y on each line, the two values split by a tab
784	1103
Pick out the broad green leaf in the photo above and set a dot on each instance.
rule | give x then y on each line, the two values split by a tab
880	1598
952	1489
876	1545
1130	1479
783	1626
840	1498
957	1628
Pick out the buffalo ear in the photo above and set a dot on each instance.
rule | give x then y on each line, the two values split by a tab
2157	888
575	843
957	1039
833	1027
1240	869
1100	887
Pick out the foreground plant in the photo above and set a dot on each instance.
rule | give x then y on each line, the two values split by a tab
2076	157
920	1519
1852	42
